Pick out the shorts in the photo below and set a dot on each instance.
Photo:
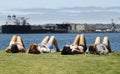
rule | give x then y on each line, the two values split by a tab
49	45
44	50
42	47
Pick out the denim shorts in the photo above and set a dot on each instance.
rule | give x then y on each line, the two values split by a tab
49	45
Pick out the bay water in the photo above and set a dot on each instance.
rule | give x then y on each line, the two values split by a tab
62	39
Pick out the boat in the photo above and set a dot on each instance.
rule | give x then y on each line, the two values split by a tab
20	25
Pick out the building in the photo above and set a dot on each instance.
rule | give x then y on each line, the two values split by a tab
90	28
104	27
64	26
77	27
82	28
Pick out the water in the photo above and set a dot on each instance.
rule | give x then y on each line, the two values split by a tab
61	38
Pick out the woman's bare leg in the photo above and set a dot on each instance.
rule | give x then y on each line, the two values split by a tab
54	41
19	40
20	44
97	41
45	40
76	40
92	47
107	42
82	40
13	39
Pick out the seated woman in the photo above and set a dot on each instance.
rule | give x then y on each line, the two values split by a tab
77	47
45	46
100	48
16	45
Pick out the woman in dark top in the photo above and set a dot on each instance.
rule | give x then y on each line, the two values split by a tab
16	45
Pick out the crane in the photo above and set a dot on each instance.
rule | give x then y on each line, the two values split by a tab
113	25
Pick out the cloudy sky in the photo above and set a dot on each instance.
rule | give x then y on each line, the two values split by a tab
58	11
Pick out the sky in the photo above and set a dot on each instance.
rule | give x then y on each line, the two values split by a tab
58	11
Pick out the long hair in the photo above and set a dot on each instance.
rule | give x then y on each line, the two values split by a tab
66	50
14	48
33	49
92	49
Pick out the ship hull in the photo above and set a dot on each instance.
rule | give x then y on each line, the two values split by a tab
28	29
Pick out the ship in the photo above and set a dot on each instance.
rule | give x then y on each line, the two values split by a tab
20	25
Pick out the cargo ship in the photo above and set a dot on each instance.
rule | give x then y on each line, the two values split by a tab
20	25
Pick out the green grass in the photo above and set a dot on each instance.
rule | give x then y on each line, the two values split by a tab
55	63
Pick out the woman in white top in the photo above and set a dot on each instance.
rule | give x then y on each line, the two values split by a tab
16	45
77	47
45	46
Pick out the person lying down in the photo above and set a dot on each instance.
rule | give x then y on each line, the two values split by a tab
46	46
77	47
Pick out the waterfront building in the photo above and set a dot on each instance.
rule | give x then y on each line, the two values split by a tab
104	27
77	27
90	28
82	28
117	29
73	27
64	26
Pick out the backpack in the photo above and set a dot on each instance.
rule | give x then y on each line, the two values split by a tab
14	48
66	50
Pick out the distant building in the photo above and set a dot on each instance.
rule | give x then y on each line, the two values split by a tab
77	27
73	27
117	29
104	27
82	28
90	28
63	26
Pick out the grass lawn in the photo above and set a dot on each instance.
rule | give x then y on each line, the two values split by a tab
55	63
